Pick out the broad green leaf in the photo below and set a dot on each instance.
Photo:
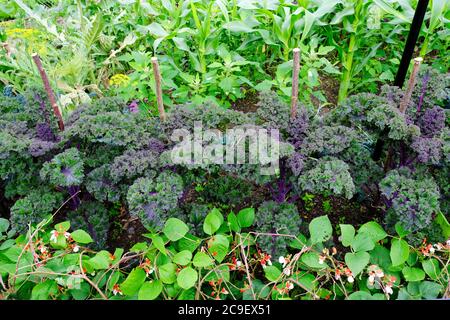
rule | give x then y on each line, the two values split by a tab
362	242
307	280
189	242
183	257
133	282
218	247
202	260
246	217
401	231
4	225
399	252
432	268
219	272
157	30
101	260
380	256
445	225
347	234
373	230
311	259
360	295
413	274
139	247
187	294
233	222
43	290
298	243
187	278
430	290
150	290
180	43
272	273
213	221
237	26
159	244
320	229
167	273
357	261
62	227
175	229
81	236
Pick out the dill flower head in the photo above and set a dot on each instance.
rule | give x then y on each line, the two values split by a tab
119	80
22	33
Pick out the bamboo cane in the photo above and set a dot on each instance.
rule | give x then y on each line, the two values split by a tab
411	83
295	73
159	97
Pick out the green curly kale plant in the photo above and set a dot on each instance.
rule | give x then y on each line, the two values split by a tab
65	170
329	175
154	200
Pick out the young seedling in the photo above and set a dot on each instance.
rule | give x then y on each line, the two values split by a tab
411	83
48	89
295	73
157	75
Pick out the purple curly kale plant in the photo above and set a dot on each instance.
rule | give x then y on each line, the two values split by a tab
432	122
297	128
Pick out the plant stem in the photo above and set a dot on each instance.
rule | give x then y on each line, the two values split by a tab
348	63
345	82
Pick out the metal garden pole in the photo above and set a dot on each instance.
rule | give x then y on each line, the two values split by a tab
413	35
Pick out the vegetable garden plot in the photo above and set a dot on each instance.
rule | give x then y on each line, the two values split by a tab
189	150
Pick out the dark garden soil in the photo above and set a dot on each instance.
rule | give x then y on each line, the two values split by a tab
330	88
247	104
125	231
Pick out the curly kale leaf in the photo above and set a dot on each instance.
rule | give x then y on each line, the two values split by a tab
412	199
276	218
65	170
34	208
152	200
328	175
92	217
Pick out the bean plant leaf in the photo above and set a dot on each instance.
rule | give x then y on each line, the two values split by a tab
431	268
246	217
399	252
347	234
213	221
175	229
150	290
202	260
373	230
81	236
187	278
320	229
362	242
183	258
413	274
133	282
357	261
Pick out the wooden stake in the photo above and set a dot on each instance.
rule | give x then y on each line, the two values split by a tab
48	89
295	73
157	74
411	83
